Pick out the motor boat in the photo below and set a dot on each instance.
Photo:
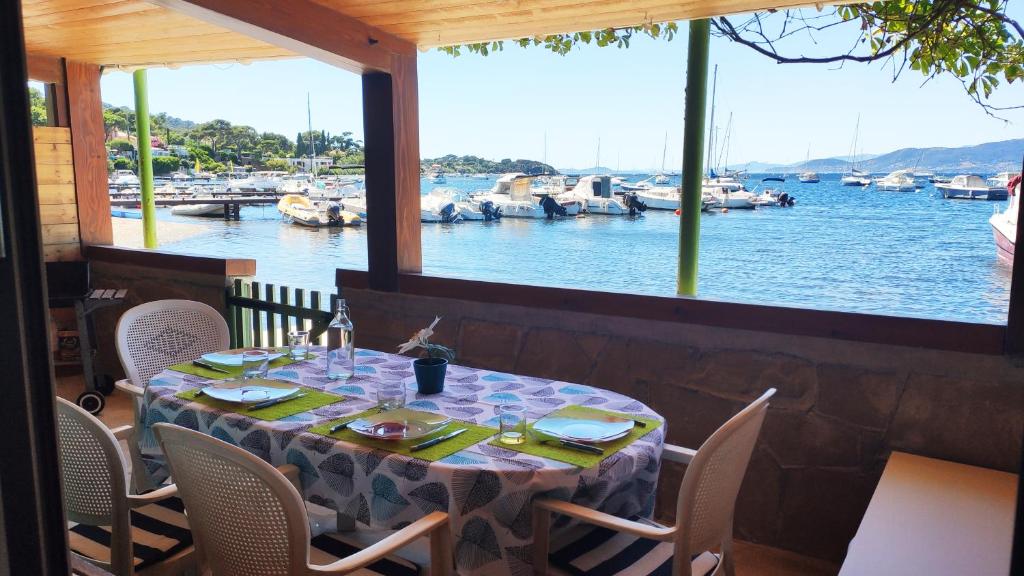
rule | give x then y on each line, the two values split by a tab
855	178
298	209
644	184
1001	180
298	184
771	197
261	182
808	177
124	179
208	210
1004	224
661	179
595	194
438	208
511	194
971	187
725	197
467	207
727	183
668	198
898	181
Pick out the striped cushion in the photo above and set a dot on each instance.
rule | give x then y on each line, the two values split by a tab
330	547
159	531
603	552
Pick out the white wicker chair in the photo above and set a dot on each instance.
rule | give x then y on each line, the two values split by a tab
151	337
704	513
147	534
249	519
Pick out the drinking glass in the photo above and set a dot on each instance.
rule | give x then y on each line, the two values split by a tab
298	344
390	395
255	364
512	424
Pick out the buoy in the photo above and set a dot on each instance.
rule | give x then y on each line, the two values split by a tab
678	211
725	210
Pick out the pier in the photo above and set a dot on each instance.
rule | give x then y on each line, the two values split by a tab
232	206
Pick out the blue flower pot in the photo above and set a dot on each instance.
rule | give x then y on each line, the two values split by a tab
430	374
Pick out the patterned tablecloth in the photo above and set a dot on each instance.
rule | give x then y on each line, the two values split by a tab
487	490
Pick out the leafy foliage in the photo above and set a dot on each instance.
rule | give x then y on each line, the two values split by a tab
165	165
476	165
563	43
37	103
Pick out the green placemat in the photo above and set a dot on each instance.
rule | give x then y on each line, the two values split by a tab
233	371
474	435
312	400
576	457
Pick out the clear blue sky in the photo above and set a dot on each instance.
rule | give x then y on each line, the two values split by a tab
501	106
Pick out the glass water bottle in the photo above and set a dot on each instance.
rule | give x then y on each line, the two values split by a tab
341	351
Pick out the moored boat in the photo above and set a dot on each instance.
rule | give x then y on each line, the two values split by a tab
300	210
511	194
809	177
855	178
898	181
595	195
971	187
211	210
438	208
1004	224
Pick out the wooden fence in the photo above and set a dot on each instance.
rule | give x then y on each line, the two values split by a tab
264	314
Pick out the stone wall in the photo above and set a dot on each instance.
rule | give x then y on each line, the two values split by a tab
146	284
841	406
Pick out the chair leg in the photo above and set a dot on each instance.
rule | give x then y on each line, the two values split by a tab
441	557
541	540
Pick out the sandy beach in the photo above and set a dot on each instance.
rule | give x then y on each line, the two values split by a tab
128	232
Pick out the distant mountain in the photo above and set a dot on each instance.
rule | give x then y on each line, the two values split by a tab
591	170
987	158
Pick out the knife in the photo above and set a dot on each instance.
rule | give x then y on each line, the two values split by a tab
576	446
275	401
202	364
438	440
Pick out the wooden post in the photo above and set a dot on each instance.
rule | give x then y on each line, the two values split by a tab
88	146
405	105
145	161
32	538
693	145
381	193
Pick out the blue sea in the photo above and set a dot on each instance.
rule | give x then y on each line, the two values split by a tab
840	248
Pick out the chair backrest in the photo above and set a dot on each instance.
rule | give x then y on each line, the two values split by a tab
707	496
246	518
95	479
155	335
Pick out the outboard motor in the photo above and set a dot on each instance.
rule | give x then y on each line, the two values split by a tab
490	211
632	201
448	214
552	207
786	200
334	212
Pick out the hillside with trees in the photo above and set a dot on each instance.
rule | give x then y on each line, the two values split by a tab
476	165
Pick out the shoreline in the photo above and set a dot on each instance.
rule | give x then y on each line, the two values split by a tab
128	232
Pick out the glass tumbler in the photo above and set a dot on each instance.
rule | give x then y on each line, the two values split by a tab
390	395
512	424
255	364
298	344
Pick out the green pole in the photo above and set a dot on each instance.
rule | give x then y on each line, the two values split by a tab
693	147
145	159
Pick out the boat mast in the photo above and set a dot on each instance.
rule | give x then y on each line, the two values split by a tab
711	124
663	150
312	142
598	164
853	149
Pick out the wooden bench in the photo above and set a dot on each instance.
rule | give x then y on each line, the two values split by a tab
935	518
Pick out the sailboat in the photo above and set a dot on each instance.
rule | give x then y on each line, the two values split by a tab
661	177
855	177
722	191
808	176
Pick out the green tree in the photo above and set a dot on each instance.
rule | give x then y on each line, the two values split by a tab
279	164
37	104
124	164
972	40
121	145
165	164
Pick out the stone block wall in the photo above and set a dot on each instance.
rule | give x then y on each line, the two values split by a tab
840	409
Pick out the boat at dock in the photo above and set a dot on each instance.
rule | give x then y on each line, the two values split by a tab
467	207
668	198
298	209
971	187
898	181
438	208
511	194
124	179
209	210
595	195
1001	180
1004	224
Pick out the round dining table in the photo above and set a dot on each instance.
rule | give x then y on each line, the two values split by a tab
487	490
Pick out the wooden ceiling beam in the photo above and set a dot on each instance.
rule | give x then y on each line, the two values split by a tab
304	27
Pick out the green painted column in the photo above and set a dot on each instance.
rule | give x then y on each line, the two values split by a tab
145	159
693	147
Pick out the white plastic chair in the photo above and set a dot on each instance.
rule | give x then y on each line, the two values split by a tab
249	520
151	337
148	534
704	510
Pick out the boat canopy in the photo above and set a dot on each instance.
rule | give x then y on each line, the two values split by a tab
969	181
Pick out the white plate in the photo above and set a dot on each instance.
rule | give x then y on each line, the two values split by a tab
400	424
234	357
584	428
248	394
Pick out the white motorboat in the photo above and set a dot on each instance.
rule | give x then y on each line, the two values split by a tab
898	181
297	184
971	187
595	195
661	179
438	208
808	177
1001	180
209	210
644	184
468	208
855	178
727	183
124	179
511	194
668	198
263	181
1004	224
731	199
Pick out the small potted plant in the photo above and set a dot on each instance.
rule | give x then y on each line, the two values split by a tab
429	371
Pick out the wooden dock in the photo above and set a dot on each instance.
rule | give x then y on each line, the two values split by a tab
232	205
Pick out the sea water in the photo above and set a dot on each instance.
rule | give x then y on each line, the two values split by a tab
840	248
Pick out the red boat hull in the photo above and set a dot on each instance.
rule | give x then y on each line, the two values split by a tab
1004	246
